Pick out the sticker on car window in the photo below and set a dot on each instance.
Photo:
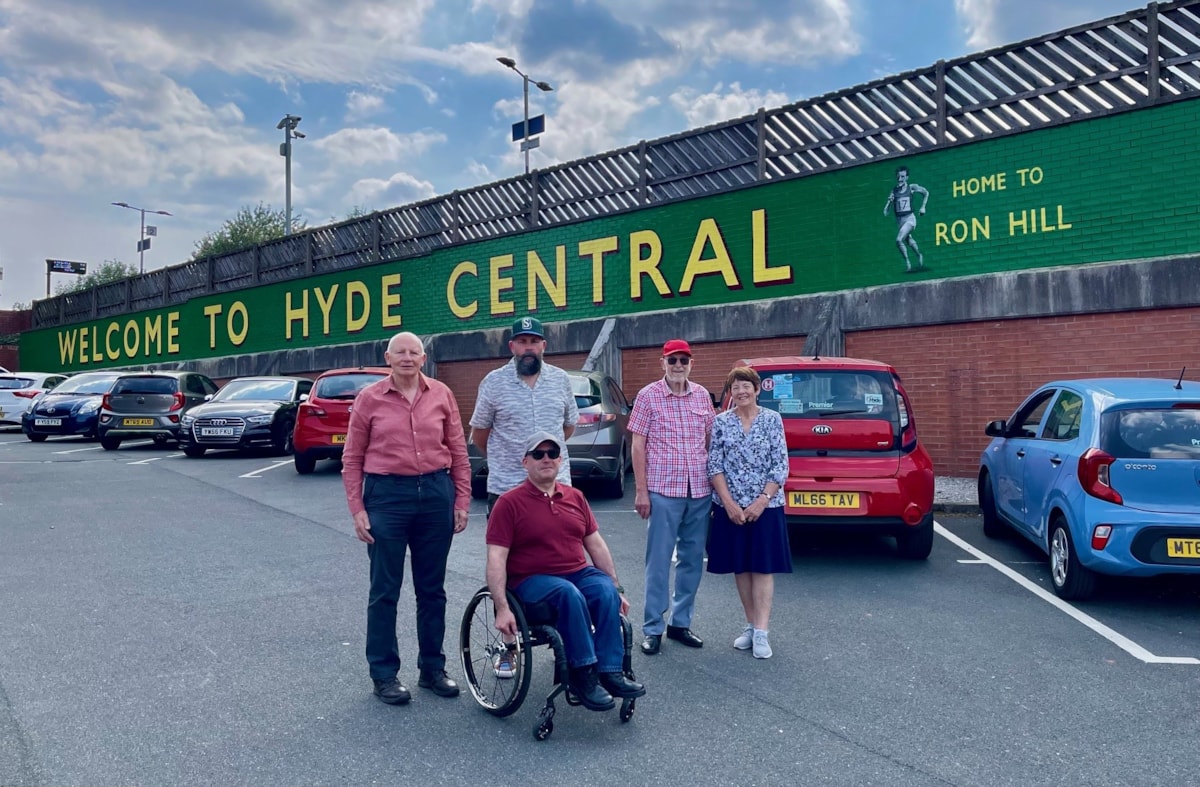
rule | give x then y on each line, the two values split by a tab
791	407
873	399
781	387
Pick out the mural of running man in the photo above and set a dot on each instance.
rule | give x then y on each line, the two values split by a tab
906	221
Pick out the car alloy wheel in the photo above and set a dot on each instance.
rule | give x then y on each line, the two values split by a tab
1071	580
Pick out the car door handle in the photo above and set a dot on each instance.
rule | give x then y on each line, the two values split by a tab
1021	454
1056	461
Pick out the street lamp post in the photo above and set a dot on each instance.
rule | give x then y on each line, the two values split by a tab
288	124
141	247
526	79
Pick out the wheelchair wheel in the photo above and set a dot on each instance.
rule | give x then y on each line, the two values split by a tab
481	645
627	707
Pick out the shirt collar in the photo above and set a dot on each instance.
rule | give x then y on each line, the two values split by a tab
421	379
666	388
530	489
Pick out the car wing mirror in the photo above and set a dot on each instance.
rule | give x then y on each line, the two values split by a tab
208	397
995	429
304	397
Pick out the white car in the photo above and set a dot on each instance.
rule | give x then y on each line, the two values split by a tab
19	390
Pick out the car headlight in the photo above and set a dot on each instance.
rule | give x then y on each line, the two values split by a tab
90	407
259	420
186	420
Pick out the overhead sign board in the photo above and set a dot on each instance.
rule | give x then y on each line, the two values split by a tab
537	125
66	266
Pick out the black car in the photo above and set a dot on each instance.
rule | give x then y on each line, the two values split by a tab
246	412
150	405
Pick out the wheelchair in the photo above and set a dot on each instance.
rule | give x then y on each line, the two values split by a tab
481	645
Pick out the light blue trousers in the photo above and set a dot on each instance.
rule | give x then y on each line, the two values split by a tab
676	525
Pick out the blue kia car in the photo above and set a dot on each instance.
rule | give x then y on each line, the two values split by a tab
70	408
1102	475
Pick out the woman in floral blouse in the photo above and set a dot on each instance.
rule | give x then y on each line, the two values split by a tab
748	464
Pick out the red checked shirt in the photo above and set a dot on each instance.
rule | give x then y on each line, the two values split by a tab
676	428
390	435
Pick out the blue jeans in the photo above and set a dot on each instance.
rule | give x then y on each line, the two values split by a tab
414	513
679	525
584	599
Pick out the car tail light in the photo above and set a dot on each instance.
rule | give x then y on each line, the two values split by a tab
1094	475
180	401
908	427
307	410
596	418
27	393
1100	536
105	403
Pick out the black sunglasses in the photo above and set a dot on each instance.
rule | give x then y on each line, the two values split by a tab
538	454
674	359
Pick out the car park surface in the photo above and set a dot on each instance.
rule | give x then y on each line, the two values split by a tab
1101	475
143	648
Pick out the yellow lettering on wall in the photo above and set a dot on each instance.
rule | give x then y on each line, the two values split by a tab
645	264
66	347
498	284
298	314
154	334
709	234
173	333
763	272
461	311
238	309
131	347
596	249
111	353
325	303
83	345
556	288
356	322
390	300
97	356
211	312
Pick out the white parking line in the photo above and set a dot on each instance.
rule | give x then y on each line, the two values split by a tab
254	473
77	450
154	459
1121	641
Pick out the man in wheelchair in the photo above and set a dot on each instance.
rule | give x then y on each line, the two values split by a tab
537	535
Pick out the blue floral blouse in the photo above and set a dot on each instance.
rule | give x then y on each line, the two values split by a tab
749	460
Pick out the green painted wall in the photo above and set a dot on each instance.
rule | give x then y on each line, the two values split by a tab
1122	187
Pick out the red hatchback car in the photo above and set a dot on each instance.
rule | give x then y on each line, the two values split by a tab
322	420
854	461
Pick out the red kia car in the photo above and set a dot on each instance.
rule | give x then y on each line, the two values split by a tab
322	420
854	460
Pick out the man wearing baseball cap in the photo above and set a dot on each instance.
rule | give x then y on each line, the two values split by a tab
671	423
524	396
537	535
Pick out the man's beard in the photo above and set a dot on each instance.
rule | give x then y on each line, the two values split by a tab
529	365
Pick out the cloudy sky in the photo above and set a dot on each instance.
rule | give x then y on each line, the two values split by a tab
173	106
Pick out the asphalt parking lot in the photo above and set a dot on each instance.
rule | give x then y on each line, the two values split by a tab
168	620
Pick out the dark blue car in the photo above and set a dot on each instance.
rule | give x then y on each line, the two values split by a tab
1102	475
70	408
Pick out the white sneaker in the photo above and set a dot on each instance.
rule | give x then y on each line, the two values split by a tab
746	639
503	665
762	648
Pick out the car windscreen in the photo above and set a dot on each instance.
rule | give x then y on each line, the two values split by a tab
829	393
586	391
1151	433
86	384
256	391
146	385
14	383
344	386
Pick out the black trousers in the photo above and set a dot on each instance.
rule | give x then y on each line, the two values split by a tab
414	513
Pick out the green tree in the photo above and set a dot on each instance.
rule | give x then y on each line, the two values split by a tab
252	225
108	272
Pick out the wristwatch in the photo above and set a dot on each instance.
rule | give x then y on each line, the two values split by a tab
621	589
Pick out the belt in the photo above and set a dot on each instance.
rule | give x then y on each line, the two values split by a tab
434	474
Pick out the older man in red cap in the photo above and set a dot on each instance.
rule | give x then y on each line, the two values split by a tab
671	423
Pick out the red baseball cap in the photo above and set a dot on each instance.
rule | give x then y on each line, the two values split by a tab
675	346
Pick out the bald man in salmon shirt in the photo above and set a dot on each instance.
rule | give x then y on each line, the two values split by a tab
408	485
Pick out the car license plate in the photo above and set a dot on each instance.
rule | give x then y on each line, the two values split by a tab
1183	547
823	499
137	422
339	439
217	431
47	422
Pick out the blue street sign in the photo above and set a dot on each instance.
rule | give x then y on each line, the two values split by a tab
537	125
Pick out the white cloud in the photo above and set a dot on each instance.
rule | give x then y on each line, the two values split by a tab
703	109
400	188
979	22
362	146
361	105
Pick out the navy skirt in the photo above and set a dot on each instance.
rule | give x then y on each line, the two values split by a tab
760	546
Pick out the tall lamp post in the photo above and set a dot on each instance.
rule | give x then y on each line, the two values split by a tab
143	241
288	124
526	79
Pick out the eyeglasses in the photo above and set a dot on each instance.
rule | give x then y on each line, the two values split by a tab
680	359
538	454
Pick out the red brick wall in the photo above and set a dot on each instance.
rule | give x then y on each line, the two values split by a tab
962	376
711	363
463	377
8	356
14	322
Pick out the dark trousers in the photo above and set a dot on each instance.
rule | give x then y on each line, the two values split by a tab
414	513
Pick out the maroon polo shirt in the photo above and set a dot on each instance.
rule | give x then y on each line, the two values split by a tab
544	533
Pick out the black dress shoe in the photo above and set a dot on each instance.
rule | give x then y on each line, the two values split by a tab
684	634
652	644
586	687
392	692
439	683
616	684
